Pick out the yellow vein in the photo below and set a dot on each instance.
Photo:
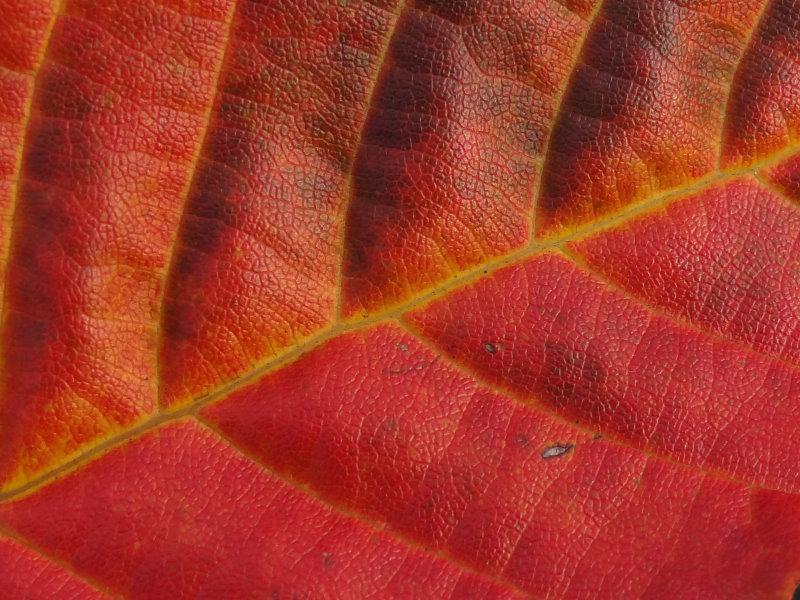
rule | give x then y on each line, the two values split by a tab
558	103
682	322
379	526
533	402
341	221
464	279
172	254
637	209
27	109
749	40
27	544
777	189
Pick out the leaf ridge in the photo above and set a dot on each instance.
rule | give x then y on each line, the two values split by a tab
666	196
18	167
394	312
678	320
167	416
766	182
680	530
558	102
394	315
172	254
22	541
375	525
347	194
534	403
726	114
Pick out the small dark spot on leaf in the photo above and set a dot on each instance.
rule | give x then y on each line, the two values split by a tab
402	347
597	436
522	440
391	424
556	450
490	347
327	560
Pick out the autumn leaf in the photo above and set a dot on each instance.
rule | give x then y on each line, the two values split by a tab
399	299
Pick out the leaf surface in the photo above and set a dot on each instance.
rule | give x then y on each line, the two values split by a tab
399	298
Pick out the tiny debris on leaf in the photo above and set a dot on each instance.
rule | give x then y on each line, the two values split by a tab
556	450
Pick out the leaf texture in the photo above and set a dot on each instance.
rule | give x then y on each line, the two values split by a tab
399	298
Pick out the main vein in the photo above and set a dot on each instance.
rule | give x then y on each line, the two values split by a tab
340	327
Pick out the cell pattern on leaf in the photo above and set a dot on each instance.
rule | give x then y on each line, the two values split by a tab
24	573
380	424
256	266
764	109
178	513
399	299
645	108
451	150
116	118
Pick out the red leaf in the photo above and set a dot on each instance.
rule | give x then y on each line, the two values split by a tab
399	298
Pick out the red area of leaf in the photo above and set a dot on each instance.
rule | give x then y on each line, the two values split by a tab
399	298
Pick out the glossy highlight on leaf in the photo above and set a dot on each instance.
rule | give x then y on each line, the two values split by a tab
399	299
